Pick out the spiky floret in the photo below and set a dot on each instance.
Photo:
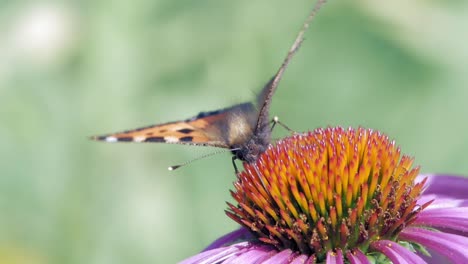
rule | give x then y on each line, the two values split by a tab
332	189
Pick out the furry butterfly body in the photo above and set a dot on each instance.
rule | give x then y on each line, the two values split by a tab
244	128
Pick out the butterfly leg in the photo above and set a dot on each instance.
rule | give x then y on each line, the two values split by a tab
234	164
275	121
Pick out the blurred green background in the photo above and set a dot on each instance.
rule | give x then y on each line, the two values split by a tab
69	70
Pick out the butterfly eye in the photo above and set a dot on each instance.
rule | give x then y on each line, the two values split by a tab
253	147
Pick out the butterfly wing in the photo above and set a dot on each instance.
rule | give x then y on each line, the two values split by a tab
221	128
264	98
241	128
251	149
262	132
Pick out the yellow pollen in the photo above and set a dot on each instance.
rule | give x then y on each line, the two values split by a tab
327	190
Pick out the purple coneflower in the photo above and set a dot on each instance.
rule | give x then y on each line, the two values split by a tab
342	196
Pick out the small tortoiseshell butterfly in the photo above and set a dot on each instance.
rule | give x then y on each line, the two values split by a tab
244	129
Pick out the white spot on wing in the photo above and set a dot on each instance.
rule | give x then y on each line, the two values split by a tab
139	139
171	139
180	127
111	139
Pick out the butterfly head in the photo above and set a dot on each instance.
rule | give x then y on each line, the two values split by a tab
251	150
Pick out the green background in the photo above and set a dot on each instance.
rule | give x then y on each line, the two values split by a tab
397	66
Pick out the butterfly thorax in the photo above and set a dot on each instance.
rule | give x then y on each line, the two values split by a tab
251	150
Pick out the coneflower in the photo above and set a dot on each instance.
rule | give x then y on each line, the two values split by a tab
339	195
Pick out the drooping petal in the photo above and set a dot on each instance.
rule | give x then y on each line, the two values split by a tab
230	238
454	247
216	255
252	255
442	201
335	258
447	218
447	185
357	257
396	253
282	257
301	259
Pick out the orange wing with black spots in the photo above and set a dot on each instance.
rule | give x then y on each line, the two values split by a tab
215	128
242	128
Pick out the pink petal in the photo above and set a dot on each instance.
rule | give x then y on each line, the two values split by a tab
237	235
335	258
454	247
253	255
396	253
441	201
357	257
447	185
301	259
447	218
216	255
281	257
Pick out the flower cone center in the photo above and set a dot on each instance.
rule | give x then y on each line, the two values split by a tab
328	189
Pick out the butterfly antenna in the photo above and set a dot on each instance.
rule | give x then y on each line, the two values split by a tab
171	168
275	121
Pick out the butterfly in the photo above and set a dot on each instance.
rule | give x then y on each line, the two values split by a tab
244	129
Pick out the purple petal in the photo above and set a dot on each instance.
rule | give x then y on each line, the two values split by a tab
447	218
335	258
447	185
396	253
454	247
311	260
235	236
301	259
441	201
281	257
357	257
253	255
455	212
201	256
217	255
434	257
